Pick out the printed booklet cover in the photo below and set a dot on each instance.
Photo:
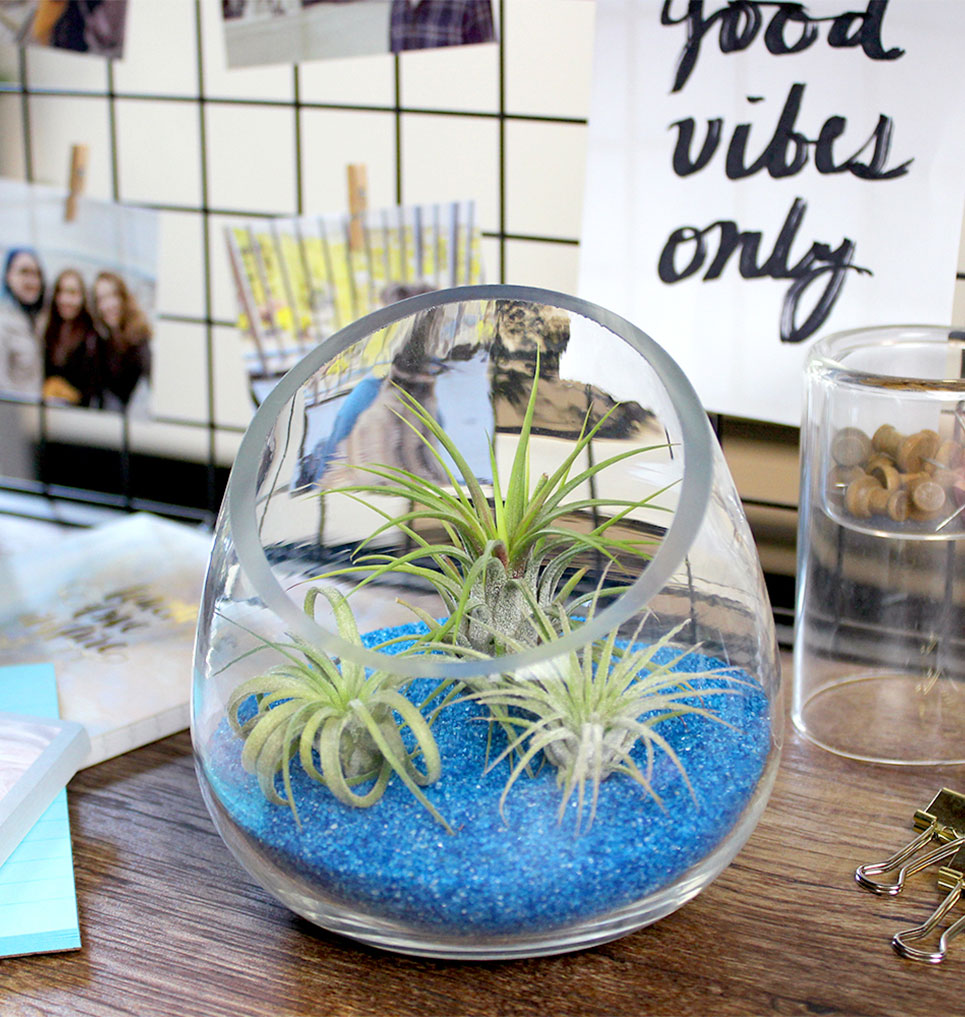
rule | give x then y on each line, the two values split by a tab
114	608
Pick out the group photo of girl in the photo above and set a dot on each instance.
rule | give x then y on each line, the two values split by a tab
77	299
79	337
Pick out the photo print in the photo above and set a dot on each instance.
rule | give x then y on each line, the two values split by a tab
76	300
82	26
292	31
300	280
16	20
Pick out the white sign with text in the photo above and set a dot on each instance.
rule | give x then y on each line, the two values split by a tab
763	173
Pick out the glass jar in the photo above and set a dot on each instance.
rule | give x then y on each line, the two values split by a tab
879	655
485	664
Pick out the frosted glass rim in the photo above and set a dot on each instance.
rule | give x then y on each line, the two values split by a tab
831	352
695	488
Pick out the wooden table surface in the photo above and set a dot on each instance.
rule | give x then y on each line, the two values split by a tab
171	925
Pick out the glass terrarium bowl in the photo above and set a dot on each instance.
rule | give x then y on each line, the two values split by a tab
485	664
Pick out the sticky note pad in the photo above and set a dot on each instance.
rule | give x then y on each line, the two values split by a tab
38	901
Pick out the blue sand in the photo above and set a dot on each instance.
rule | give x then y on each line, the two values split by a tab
524	871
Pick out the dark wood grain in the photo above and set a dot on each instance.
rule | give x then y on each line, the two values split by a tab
171	925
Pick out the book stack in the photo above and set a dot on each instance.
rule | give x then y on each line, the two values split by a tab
111	611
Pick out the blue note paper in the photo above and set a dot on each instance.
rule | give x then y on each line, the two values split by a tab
38	902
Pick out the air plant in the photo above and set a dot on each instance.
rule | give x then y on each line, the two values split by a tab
590	709
312	706
500	554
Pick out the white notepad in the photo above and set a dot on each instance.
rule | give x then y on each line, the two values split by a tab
38	755
38	902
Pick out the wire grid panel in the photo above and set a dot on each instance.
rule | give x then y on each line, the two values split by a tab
171	128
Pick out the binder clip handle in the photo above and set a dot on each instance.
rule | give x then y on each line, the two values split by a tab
864	874
901	940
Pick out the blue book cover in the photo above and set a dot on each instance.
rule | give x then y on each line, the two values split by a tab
38	902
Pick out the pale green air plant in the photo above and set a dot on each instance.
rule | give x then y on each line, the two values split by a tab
311	703
498	555
587	710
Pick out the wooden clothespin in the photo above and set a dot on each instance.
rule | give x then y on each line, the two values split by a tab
358	201
76	181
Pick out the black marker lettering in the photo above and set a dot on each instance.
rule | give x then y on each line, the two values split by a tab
740	22
819	261
788	150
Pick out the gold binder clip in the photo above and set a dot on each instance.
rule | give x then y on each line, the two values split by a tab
951	877
943	821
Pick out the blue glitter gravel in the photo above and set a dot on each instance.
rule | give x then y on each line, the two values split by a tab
524	871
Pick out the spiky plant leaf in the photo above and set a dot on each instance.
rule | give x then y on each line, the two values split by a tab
592	708
495	548
312	705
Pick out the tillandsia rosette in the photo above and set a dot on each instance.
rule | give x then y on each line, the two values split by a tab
496	555
586	712
344	724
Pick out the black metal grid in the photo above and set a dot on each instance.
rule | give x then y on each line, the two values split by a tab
113	477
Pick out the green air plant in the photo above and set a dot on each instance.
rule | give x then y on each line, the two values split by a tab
497	555
311	705
587	711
